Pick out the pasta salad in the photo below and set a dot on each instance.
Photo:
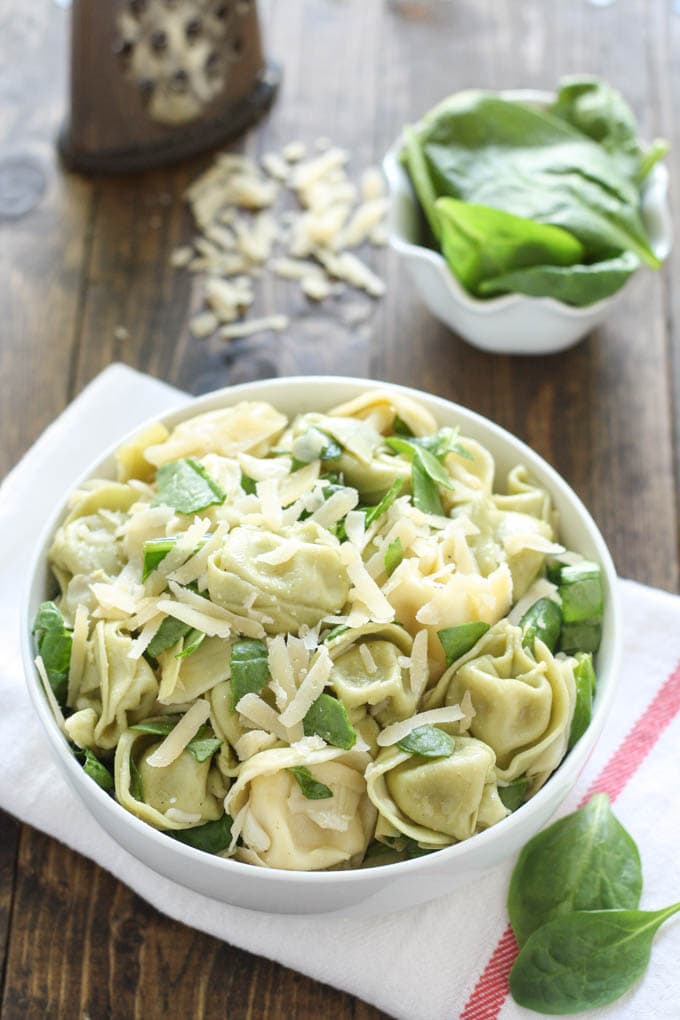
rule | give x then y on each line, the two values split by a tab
324	642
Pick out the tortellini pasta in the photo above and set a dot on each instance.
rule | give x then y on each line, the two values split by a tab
252	646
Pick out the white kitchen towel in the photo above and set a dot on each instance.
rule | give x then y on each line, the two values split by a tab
444	960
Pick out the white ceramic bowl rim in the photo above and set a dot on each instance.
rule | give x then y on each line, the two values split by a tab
569	767
392	167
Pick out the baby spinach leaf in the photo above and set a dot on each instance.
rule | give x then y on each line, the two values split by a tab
420	178
315	444
335	633
495	152
212	837
54	642
97	770
600	111
400	428
193	640
425	492
582	960
248	485
581	592
456	641
480	243
543	620
249	668
186	486
394	554
412	850
576	285
581	637
514	794
136	789
372	513
155	550
428	742
585	679
327	717
586	861
168	634
311	788
201	747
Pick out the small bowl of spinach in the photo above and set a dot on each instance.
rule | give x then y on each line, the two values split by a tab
522	215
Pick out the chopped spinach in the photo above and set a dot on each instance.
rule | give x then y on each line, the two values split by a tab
54	642
428	742
249	668
311	788
186	486
394	554
212	837
456	641
327	717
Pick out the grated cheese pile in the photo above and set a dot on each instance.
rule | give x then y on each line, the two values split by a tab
297	215
267	619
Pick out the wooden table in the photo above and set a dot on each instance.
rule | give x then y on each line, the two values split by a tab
92	256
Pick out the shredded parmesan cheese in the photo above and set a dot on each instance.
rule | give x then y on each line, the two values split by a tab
397	731
365	589
49	693
178	738
78	652
419	674
310	689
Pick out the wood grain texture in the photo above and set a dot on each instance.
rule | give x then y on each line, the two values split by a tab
85	280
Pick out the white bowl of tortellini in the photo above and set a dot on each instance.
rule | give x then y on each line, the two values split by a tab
322	644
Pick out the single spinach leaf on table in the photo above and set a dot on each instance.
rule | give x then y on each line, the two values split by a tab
481	243
586	861
585	959
577	285
54	642
494	152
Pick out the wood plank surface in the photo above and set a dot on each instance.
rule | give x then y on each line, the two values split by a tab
85	280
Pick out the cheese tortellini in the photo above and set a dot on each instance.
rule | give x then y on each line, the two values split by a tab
302	643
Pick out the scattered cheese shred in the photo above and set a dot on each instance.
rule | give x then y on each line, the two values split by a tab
270	501
195	618
418	669
214	613
310	689
335	508
148	632
365	589
178	738
397	731
257	711
49	693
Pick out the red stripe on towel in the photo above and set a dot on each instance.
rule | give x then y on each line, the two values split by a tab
490	992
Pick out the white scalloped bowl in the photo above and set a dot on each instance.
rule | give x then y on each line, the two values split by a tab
512	323
363	891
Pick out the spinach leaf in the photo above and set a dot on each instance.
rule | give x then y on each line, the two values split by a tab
480	243
585	679
543	620
335	633
97	770
581	592
201	747
186	486
249	668
586	861
514	794
577	285
420	178
372	513
596	109
425	493
400	428
439	444
248	485
495	152
212	837
581	637
585	959
54	642
315	444
456	641
428	742
136	789
193	640
155	550
328	718
168	634
394	554
311	788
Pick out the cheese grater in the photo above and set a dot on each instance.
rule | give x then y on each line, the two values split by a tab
153	81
